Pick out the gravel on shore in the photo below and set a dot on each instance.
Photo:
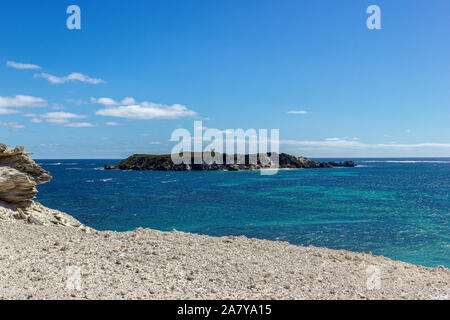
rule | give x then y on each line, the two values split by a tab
56	262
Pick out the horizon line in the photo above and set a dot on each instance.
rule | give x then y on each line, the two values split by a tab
322	157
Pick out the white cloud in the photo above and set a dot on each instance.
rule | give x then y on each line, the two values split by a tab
347	147
341	139
147	111
297	112
62	119
22	101
104	101
62	116
154	142
108	102
22	66
128	108
128	101
79	125
5	111
12	125
346	143
112	123
70	78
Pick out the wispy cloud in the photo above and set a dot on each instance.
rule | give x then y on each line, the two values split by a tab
73	77
347	147
297	112
148	111
112	123
5	111
22	101
60	118
130	109
79	125
22	66
356	144
108	102
12	125
19	101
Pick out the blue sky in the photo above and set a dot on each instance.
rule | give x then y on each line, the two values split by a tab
232	64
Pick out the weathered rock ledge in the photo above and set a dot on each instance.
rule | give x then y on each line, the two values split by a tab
19	176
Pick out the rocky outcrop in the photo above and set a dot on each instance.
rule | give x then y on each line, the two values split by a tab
146	162
19	176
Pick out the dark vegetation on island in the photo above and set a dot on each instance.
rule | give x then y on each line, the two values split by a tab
148	162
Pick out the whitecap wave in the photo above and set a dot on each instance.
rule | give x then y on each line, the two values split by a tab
406	161
168	181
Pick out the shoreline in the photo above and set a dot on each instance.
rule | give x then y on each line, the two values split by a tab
151	264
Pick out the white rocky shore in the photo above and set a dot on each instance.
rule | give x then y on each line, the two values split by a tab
46	254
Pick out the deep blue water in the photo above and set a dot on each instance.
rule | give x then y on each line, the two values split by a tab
399	208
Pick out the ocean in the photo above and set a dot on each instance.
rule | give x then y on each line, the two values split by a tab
399	208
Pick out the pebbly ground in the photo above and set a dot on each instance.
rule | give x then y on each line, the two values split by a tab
55	262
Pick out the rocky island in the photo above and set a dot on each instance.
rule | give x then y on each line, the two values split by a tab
148	162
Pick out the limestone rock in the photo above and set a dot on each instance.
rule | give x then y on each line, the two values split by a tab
19	176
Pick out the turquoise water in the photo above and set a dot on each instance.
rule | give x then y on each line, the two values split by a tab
392	207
